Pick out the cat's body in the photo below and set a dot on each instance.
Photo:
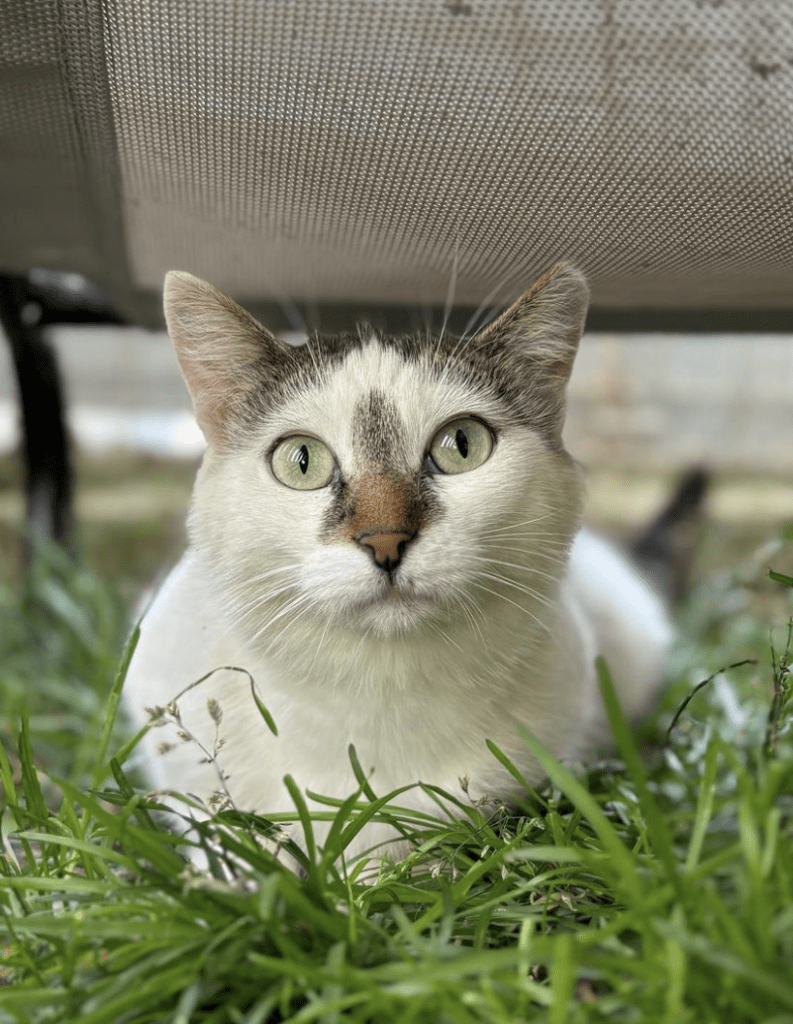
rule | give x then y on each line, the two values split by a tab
385	536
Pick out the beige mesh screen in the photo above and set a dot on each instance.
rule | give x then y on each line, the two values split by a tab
349	150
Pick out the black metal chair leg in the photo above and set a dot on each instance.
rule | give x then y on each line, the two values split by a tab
48	474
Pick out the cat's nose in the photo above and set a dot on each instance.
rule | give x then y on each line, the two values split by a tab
387	548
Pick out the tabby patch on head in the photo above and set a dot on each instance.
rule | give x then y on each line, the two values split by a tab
377	428
373	482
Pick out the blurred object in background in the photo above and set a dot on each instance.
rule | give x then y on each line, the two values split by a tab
666	401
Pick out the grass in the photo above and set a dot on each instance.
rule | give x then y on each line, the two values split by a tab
659	887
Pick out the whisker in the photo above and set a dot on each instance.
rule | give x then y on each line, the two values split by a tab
294	316
533	594
445	636
319	644
277	613
311	348
509	527
515	565
503	597
450	291
249	610
303	603
262	593
516	542
553	554
463	339
491	315
488	300
465	600
547	510
261	577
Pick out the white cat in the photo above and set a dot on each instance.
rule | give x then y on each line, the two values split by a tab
385	534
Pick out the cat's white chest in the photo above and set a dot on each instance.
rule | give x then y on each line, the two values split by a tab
419	715
429	725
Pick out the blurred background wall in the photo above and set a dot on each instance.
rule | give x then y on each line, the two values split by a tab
642	409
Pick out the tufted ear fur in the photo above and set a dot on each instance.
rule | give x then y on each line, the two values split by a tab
224	353
537	339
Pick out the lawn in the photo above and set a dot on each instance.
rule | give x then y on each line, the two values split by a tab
658	886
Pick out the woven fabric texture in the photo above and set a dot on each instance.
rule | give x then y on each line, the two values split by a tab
377	150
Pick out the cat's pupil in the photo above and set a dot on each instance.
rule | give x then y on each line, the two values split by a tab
462	443
302	459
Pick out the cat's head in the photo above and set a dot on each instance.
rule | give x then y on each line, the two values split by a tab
382	484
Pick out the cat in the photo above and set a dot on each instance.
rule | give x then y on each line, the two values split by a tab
385	534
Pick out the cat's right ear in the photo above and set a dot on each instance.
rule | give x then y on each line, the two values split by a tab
224	354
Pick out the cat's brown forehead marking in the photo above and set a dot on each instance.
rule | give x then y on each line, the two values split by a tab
378	432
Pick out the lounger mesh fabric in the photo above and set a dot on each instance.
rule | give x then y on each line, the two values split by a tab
372	150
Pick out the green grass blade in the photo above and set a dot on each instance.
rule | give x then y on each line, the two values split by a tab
704	809
140	843
361	819
263	710
124	751
620	862
96	850
562	979
31	787
305	820
111	709
657	829
361	778
7	779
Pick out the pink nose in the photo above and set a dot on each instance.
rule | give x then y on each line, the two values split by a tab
386	548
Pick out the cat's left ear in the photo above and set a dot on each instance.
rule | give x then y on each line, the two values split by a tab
537	338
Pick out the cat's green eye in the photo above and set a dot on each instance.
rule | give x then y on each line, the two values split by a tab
303	462
461	445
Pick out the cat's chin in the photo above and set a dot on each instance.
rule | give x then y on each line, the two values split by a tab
390	614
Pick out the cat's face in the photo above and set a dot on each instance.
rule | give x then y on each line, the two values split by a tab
381	485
